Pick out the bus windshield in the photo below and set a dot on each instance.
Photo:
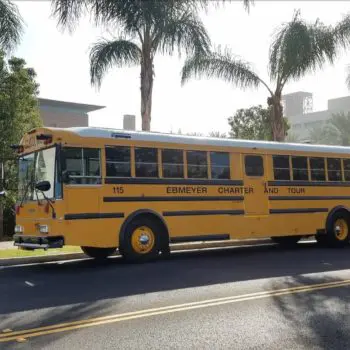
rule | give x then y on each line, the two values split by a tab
33	168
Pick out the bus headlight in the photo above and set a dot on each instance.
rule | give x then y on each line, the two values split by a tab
19	229
44	228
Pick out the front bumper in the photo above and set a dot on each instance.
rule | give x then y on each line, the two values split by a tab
38	242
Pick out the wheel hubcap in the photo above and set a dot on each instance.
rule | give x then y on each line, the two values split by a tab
341	229
142	240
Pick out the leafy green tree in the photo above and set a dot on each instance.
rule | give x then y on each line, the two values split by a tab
336	131
297	48
218	134
18	114
253	124
11	25
146	27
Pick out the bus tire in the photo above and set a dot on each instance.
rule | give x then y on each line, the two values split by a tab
286	241
338	229
98	253
141	240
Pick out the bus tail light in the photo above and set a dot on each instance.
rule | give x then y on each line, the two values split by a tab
18	209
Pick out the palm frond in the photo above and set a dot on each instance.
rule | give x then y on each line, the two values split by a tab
11	25
299	47
69	12
105	54
223	66
342	31
204	4
183	30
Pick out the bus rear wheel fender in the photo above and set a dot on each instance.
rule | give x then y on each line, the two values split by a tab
143	236
338	227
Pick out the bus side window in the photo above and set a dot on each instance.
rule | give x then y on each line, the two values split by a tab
81	166
172	163
146	162
346	165
300	169
118	162
197	165
220	165
254	166
318	171
281	167
334	169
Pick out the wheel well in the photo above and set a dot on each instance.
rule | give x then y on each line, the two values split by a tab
150	214
338	209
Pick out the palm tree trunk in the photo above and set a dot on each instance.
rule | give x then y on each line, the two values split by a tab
146	86
276	118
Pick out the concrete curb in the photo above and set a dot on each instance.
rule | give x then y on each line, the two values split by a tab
173	247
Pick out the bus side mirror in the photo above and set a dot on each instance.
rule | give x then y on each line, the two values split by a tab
43	186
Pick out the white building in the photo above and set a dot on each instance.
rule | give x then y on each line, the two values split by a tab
298	110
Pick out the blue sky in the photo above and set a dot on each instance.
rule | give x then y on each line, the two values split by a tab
61	62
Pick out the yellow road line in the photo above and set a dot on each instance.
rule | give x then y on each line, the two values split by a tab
63	327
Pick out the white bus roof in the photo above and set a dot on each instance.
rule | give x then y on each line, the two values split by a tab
202	140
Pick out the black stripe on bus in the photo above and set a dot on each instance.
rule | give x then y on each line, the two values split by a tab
83	216
217	182
298	210
306	198
310	183
203	212
214	237
172	199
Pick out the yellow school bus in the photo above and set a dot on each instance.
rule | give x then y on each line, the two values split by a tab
138	192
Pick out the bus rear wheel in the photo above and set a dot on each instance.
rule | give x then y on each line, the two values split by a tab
98	253
338	230
286	241
141	240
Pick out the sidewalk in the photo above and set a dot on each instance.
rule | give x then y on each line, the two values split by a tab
6	245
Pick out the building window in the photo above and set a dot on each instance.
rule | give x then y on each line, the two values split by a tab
281	169
346	164
81	166
118	161
300	169
172	163
220	165
254	166
146	162
334	169
317	167
197	165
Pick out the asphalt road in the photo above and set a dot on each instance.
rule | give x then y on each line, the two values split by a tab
239	298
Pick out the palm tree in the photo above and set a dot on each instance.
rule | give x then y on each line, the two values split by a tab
147	26
11	25
297	48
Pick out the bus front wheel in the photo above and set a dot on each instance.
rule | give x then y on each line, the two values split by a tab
98	253
141	240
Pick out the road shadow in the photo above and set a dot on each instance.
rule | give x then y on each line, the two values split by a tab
80	289
318	319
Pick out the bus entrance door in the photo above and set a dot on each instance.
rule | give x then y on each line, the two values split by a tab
255	199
